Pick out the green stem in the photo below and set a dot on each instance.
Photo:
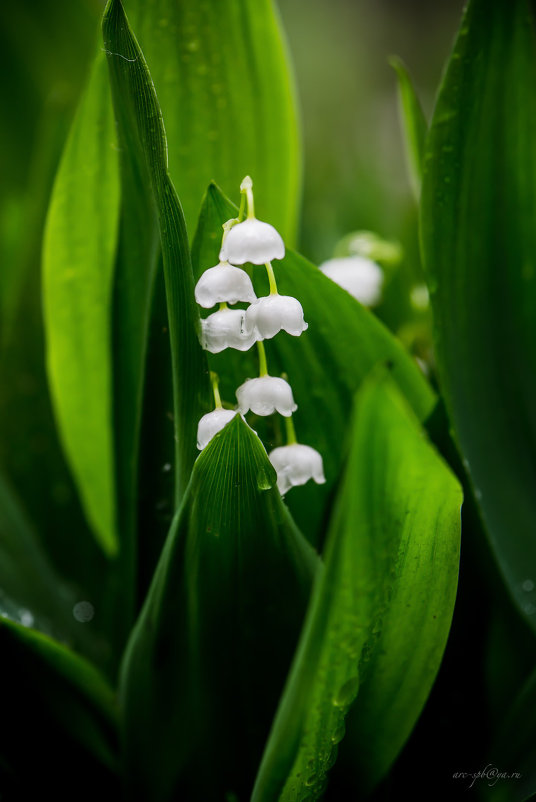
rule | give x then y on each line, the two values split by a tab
215	389
291	431
223	305
271	278
246	187
263	367
242	209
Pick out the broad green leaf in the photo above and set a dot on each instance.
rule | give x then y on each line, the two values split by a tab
142	134
208	657
413	122
380	612
514	750
479	246
57	711
78	262
221	73
325	365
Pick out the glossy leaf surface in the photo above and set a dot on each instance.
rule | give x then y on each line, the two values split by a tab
380	613
479	246
78	267
208	657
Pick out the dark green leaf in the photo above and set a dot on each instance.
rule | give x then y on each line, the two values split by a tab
380	613
479	247
57	712
325	365
413	122
209	655
78	261
222	77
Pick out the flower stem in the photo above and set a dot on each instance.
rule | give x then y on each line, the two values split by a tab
271	278
263	367
223	305
215	389
291	431
242	210
246	187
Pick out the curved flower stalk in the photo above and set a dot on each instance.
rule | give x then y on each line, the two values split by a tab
225	329
213	422
359	276
224	284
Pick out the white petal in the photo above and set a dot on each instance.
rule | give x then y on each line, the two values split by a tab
252	241
273	313
266	395
295	465
359	276
223	283
211	424
225	329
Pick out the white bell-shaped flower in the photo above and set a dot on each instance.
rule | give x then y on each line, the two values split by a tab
295	465
275	312
212	423
359	276
252	241
224	284
225	329
266	395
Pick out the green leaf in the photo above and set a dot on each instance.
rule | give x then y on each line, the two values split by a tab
78	262
413	122
57	710
380	612
142	133
221	73
514	749
208	657
325	366
479	246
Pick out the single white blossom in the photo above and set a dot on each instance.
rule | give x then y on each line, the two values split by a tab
212	423
275	312
295	465
252	241
359	276
224	283
266	395
225	329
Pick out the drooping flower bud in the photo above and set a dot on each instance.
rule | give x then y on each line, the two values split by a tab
225	329
273	313
266	395
212	423
224	284
359	276
295	465
252	241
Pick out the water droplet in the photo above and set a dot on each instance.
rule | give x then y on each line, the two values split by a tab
193	46
83	611
339	733
26	618
265	479
528	585
166	467
347	693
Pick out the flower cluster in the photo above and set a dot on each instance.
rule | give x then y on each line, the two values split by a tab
226	284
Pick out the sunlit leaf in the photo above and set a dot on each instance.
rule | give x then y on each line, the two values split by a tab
380	612
78	261
222	77
325	365
479	246
210	652
413	121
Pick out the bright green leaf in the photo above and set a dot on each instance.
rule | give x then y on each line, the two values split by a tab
479	248
221	73
325	366
78	260
380	613
413	122
209	655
